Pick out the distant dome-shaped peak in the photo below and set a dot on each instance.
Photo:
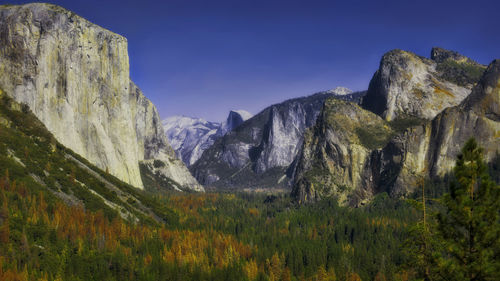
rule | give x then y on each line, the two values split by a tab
245	115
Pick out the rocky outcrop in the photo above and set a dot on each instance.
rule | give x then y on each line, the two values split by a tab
337	151
396	155
260	151
74	76
409	85
189	136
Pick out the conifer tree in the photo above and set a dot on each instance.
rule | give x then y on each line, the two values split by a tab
463	240
469	227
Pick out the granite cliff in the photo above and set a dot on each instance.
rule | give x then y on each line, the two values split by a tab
74	76
353	154
409	85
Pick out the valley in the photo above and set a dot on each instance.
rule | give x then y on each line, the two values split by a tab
396	182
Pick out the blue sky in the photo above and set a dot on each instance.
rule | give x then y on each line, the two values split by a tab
202	58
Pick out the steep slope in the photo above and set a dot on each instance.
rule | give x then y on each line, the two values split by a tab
191	136
409	85
259	152
31	155
409	151
74	76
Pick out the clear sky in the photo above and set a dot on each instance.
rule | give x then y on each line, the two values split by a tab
202	58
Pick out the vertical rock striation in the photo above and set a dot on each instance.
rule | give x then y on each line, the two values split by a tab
74	76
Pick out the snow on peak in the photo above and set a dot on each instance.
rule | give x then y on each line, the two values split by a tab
341	91
182	122
189	136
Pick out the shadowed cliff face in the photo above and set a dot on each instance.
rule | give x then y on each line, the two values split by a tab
74	76
335	161
259	152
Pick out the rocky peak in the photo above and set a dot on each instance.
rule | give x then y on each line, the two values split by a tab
456	68
262	150
408	85
335	156
234	119
346	156
440	55
485	98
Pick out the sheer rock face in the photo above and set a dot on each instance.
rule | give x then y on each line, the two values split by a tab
74	76
478	116
430	150
259	152
408	85
333	163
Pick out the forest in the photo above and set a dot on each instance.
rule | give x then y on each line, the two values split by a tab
59	221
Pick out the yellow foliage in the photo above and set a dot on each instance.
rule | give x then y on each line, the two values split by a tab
253	212
251	269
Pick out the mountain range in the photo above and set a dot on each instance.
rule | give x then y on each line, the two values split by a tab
407	127
353	146
260	151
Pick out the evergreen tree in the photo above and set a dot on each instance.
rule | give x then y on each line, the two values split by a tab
464	242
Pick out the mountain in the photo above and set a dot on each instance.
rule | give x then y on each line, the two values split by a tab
407	85
259	152
74	77
233	120
353	153
189	136
32	157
